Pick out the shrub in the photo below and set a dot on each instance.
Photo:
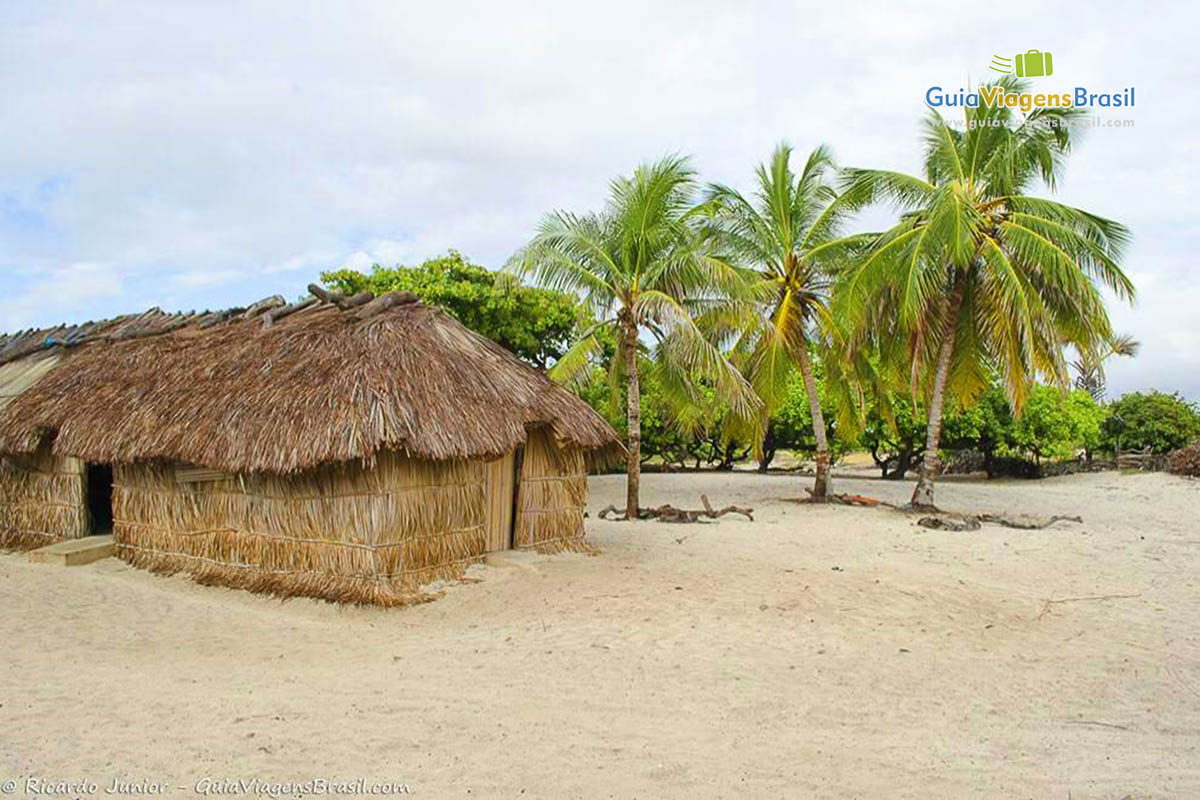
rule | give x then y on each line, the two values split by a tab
1155	420
1015	467
1054	424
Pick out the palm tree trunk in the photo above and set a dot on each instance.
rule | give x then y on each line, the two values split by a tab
822	484
922	496
633	400
768	449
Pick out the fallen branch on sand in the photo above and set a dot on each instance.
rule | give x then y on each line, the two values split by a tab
1046	607
971	522
1097	724
1027	524
955	522
847	499
669	513
948	523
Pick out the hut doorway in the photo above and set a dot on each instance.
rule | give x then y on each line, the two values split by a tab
500	489
99	497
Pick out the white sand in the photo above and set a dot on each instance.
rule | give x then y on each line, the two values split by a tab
817	652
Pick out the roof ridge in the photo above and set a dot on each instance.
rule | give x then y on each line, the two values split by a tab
156	322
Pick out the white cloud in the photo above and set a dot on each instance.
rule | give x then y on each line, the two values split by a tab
218	154
73	291
202	278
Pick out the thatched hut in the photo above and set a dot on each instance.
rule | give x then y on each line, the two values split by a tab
349	449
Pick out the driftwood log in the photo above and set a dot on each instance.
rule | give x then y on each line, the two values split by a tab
339	299
360	299
958	522
1027	524
217	317
847	499
944	523
129	334
385	301
670	513
325	295
264	305
1050	601
972	522
274	314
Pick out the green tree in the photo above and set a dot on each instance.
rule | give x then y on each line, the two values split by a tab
536	324
895	432
978	277
787	231
988	427
790	426
1055	424
708	430
661	436
641	266
1159	421
673	435
894	435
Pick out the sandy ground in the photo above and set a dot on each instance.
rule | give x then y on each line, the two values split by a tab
816	652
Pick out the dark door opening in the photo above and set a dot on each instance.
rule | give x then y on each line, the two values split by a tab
99	497
518	462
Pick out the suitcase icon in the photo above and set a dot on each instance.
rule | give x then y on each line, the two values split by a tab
1034	64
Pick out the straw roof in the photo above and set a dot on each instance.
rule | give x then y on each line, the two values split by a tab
280	388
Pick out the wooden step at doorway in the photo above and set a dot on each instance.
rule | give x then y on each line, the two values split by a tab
74	552
524	559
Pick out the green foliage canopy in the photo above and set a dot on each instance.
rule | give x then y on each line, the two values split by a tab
790	425
1056	424
1163	422
538	325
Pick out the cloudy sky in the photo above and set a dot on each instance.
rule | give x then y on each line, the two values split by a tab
195	156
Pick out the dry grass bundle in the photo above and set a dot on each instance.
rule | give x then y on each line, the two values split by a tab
318	386
345	532
41	500
551	497
1185	461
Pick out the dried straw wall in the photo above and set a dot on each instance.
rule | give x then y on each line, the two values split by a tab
342	532
552	496
42	499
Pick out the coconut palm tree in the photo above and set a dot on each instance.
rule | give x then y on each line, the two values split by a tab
978	277
643	268
787	231
1089	367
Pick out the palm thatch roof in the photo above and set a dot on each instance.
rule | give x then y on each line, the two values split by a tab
279	388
